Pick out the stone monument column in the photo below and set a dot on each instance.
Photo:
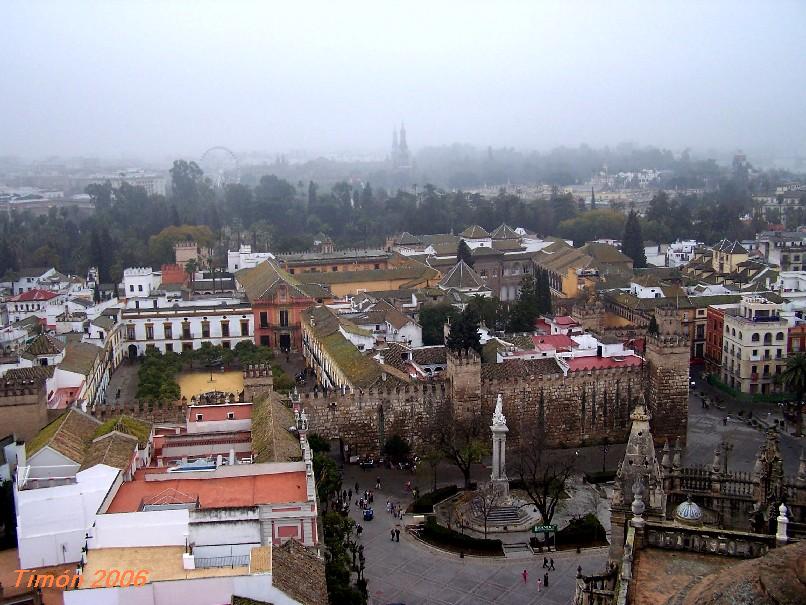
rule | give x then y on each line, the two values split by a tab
499	430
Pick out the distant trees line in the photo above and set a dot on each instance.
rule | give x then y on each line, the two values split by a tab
131	228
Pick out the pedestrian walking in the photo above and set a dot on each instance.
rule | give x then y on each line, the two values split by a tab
356	487
397	535
539	584
525	575
551	565
545	563
392	533
546	580
350	494
359	530
371	496
377	483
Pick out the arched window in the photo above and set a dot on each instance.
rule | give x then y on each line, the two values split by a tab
768	338
755	337
740	336
733	332
779	336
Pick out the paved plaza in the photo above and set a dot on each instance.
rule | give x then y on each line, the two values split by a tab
411	572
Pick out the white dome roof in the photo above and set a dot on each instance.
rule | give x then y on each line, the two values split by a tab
689	513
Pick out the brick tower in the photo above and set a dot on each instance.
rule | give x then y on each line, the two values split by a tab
464	372
667	356
257	380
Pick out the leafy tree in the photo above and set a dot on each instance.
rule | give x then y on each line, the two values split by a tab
653	327
396	448
632	244
490	310
318	443
542	472
432	318
328	478
463	252
794	379
461	436
464	334
339	542
526	309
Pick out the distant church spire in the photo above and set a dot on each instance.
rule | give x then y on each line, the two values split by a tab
400	148
404	148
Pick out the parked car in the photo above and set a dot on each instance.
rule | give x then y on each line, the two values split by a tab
367	462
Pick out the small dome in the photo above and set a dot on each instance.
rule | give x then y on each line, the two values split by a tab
688	513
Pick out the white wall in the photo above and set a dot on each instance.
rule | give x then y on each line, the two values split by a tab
142	528
52	522
48	463
202	591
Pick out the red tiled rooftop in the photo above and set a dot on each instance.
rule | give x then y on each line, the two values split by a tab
560	342
34	295
221	492
565	320
600	363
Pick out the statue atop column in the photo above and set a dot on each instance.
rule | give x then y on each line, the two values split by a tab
499	430
498	415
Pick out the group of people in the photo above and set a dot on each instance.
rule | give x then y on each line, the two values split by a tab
548	565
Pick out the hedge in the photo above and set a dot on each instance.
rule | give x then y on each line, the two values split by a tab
584	531
436	534
425	503
600	476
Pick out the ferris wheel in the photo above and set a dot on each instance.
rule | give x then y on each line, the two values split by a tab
221	166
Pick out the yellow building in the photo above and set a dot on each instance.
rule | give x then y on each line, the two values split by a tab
570	270
404	274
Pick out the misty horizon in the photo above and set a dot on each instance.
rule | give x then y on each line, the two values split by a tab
159	80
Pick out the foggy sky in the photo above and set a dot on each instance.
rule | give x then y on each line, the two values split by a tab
161	78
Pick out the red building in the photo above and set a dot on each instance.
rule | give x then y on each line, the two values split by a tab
714	331
796	340
277	300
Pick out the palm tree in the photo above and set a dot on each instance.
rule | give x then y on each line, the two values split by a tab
794	379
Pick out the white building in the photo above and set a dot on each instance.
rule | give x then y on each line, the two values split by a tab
186	325
680	252
244	258
154	184
139	282
791	284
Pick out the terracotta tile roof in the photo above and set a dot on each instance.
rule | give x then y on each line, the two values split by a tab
407	239
36	375
271	441
300	573
113	449
605	253
139	429
462	277
475	232
430	355
263	281
506	245
504	231
45	344
412	272
104	322
581	364
80	358
69	435
519	368
359	370
34	295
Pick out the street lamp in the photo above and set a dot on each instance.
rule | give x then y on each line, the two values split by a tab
604	454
